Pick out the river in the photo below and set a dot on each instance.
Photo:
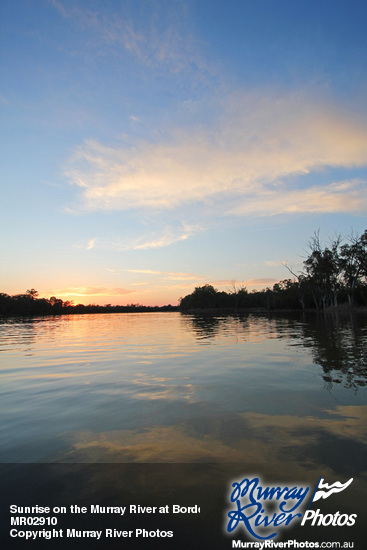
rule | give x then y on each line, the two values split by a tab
168	387
168	408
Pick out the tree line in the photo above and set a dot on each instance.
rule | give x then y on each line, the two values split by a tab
29	304
332	274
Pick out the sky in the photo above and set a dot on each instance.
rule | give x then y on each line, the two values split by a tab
152	146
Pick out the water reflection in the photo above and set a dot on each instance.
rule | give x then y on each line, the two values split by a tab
338	342
171	388
209	327
285	441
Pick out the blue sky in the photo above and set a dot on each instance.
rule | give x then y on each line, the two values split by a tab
149	147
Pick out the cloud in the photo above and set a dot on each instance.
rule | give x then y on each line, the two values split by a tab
272	263
145	271
163	39
158	239
91	243
93	291
163	240
345	196
249	162
167	275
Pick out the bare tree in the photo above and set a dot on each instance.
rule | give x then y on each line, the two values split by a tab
301	283
323	269
235	290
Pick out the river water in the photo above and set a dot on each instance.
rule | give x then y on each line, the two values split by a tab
168	387
161	409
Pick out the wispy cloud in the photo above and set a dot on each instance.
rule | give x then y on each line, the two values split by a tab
93	291
250	162
272	263
91	243
162	39
166	236
145	271
167	275
345	196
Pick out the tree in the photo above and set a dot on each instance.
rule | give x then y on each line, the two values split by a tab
237	291
300	285
323	269
354	263
285	294
32	293
202	297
